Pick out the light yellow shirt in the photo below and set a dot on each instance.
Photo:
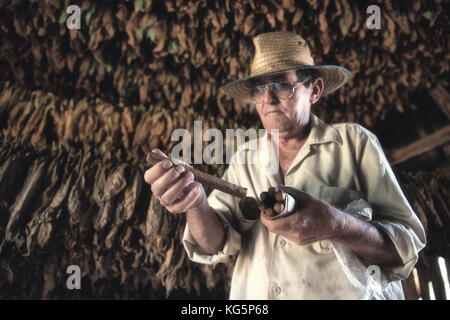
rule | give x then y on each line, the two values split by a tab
339	163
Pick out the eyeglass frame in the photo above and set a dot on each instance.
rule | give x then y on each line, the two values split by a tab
269	85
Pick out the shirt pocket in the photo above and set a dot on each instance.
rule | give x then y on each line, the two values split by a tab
339	197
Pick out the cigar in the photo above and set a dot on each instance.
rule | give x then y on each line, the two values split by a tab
269	212
278	207
277	203
249	208
280	196
267	199
204	178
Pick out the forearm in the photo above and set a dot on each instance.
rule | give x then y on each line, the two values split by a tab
206	228
367	241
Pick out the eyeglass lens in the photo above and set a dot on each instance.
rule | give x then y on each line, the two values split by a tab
282	90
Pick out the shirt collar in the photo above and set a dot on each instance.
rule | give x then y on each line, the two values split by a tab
322	133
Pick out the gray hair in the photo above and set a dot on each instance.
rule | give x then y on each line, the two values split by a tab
307	76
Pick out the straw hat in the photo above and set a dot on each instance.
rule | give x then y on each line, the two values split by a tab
277	52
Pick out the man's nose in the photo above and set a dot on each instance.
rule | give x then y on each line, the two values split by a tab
269	96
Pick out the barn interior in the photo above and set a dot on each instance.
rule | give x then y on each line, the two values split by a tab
81	108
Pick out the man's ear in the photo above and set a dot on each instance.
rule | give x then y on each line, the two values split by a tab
317	90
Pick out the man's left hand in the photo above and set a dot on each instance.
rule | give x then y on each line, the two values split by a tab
314	220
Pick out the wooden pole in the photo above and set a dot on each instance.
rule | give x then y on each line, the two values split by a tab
423	275
422	145
442	98
409	287
437	280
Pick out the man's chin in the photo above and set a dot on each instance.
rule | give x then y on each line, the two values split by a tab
277	124
279	131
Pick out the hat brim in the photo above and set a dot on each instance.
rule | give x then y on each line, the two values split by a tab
333	77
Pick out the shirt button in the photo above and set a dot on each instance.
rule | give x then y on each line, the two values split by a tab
277	290
316	246
282	243
325	245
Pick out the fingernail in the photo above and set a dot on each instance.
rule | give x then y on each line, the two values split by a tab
179	196
179	169
166	164
189	177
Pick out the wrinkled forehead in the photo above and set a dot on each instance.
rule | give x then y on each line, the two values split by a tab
289	76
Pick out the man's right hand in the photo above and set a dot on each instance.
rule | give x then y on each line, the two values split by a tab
174	187
178	192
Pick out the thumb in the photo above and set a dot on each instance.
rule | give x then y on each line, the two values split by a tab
302	197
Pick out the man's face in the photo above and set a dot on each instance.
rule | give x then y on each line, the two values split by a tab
286	115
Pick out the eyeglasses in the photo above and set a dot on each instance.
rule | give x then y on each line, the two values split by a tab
282	90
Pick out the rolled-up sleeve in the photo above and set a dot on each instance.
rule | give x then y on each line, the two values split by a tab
227	209
393	214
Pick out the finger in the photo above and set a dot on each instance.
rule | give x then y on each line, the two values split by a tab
158	170
171	195
275	225
268	222
261	207
191	195
160	186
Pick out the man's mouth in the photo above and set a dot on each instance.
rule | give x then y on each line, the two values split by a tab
272	111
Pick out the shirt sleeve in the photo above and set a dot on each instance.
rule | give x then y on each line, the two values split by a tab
391	211
227	209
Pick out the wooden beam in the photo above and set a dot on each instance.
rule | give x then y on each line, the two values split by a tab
437	280
423	280
442	98
420	146
409	288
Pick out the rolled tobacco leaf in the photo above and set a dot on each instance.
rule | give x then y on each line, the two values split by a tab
204	178
248	205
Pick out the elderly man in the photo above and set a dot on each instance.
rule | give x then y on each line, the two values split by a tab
324	167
